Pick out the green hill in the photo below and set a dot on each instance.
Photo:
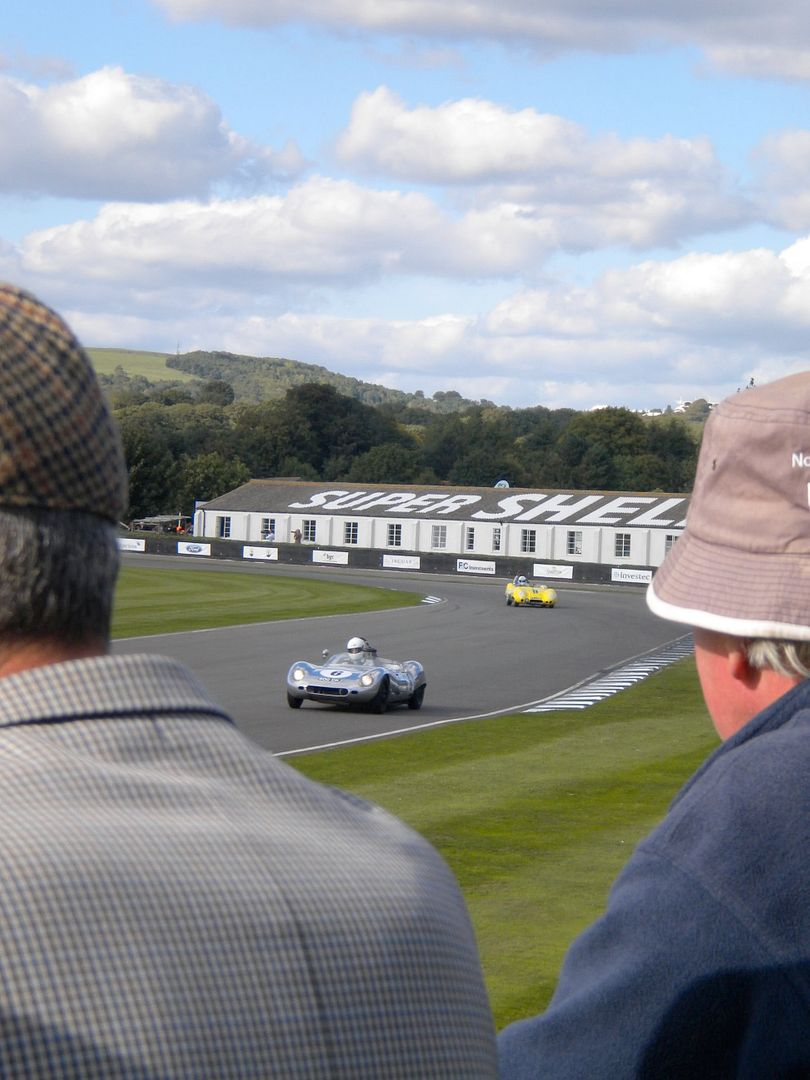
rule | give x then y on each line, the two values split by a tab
263	378
149	365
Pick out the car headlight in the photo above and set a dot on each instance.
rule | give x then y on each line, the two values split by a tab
367	679
299	674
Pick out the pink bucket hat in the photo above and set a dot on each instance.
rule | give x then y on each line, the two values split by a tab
742	566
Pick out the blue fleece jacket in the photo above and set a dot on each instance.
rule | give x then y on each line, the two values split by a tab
700	966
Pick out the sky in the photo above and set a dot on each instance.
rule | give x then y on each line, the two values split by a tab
530	202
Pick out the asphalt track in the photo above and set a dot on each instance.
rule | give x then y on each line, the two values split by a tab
481	657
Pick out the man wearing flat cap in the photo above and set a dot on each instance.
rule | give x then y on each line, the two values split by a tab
700	966
174	901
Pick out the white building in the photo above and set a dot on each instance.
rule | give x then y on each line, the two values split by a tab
548	533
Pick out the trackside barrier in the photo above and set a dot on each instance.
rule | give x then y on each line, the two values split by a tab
447	563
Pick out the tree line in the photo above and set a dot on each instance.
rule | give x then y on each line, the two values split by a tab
193	441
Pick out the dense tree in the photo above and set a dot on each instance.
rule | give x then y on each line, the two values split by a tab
215	392
330	430
390	464
149	449
206	476
180	451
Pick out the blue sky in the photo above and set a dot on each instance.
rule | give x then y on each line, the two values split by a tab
528	201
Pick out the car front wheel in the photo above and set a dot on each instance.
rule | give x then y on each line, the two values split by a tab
417	697
380	702
293	702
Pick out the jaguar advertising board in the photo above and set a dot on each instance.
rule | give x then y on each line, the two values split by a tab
401	562
552	570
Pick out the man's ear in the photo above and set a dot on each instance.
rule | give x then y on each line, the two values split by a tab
740	667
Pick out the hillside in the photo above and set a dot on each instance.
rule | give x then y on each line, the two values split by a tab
268	378
263	378
147	365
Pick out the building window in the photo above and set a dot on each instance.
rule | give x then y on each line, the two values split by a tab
669	542
469	538
308	525
573	542
350	532
528	540
622	546
394	535
268	528
438	536
223	527
496	538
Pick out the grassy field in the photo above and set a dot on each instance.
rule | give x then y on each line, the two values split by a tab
151	365
156	601
535	814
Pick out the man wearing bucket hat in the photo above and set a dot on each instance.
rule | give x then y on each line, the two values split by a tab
174	901
700	965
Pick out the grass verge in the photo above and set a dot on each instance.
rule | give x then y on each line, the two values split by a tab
156	601
536	814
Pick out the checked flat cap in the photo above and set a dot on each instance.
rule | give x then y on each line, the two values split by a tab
59	446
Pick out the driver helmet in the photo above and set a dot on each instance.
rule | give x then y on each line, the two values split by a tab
355	644
522	580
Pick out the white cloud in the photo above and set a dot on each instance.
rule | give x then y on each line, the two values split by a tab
322	230
777	61
467	141
784	162
577	191
745	37
739	301
338	232
113	135
695	326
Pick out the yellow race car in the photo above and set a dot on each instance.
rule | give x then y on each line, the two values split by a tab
523	592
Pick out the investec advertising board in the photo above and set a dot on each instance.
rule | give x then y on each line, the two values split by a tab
631	577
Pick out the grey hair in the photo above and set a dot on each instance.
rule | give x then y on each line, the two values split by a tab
57	575
791	658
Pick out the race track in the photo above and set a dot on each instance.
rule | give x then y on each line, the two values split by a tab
481	656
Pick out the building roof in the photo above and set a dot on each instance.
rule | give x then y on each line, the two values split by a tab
476	505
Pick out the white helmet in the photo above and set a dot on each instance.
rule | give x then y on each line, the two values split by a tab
355	644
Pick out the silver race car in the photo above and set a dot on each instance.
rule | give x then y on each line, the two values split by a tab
357	678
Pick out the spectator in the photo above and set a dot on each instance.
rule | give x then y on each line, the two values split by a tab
700	966
297	536
176	902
